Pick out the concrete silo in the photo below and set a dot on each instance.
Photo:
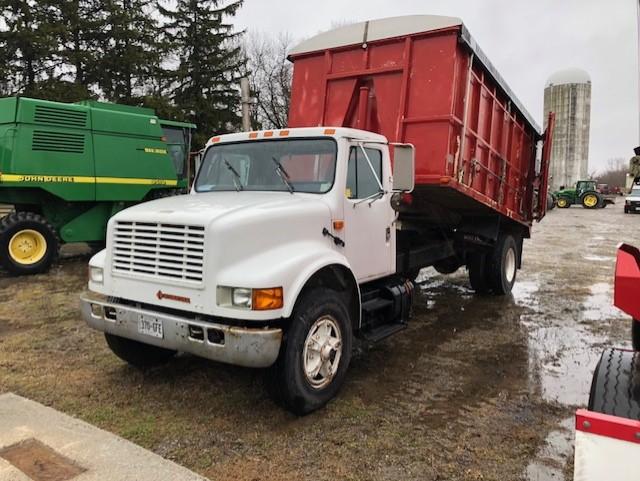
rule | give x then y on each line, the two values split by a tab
568	94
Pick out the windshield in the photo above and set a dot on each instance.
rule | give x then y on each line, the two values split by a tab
290	165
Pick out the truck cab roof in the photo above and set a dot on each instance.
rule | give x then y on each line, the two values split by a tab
303	132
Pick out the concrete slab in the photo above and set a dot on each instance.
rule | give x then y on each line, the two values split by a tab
102	455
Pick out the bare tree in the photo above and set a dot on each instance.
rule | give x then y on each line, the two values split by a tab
615	173
270	75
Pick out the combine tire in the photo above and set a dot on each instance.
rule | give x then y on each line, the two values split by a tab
635	334
28	243
563	203
615	389
136	353
591	200
315	353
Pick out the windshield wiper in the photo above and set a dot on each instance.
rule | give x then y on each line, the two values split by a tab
283	174
237	180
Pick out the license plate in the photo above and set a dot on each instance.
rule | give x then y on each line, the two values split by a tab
150	326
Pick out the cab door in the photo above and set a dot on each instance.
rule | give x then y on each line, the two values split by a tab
368	216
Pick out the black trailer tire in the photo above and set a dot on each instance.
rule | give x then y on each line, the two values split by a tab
291	381
137	353
615	388
635	334
502	267
477	267
29	244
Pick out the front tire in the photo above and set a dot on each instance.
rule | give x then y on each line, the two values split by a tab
315	354
563	203
136	353
28	243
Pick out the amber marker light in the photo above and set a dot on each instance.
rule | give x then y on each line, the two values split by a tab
253	135
268	133
267	299
215	139
284	133
338	224
445	180
329	131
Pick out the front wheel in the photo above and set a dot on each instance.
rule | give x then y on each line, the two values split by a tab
563	203
315	354
503	265
28	243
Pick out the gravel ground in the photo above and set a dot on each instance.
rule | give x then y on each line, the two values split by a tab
478	388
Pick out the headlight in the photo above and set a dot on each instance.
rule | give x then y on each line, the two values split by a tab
254	299
241	297
96	274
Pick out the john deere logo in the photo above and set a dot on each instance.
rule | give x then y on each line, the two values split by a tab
172	297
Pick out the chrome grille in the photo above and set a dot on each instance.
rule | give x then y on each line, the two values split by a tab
166	251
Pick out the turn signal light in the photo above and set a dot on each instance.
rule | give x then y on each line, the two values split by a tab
338	224
267	299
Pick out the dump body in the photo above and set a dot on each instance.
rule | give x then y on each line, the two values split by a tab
422	80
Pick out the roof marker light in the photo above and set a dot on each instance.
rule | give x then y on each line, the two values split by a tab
284	133
214	139
253	135
329	131
268	133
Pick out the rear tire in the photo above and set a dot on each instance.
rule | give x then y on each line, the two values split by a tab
136	353
28	243
502	268
478	278
319	336
615	389
591	200
635	334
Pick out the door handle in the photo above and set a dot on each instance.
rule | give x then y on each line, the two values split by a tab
388	233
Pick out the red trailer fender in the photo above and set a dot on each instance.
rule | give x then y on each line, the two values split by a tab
627	280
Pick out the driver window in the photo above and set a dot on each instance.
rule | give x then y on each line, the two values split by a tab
361	182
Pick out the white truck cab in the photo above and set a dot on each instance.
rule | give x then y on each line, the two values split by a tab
284	250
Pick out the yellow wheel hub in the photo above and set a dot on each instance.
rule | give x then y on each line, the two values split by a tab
562	202
590	200
27	247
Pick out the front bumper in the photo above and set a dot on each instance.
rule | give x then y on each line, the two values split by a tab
240	346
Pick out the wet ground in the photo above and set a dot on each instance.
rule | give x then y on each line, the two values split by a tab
478	388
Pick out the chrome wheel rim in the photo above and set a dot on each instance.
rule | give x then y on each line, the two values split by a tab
322	352
510	265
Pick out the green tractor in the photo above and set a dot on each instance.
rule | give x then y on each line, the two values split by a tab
67	168
585	193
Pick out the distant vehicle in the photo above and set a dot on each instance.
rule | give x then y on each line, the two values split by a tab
584	193
604	189
67	168
632	201
607	442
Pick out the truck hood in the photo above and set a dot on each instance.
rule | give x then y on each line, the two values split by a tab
632	198
224	207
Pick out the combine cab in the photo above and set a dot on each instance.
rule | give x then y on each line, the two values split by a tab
67	168
608	433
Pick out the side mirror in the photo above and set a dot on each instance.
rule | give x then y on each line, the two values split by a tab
404	171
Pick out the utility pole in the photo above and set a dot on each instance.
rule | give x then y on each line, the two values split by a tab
245	94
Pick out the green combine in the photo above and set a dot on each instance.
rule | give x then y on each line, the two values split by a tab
585	193
67	168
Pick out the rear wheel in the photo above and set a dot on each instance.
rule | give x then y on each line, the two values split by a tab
315	354
615	389
477	267
563	203
503	265
590	200
28	243
136	353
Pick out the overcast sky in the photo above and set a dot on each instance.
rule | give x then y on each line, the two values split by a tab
527	41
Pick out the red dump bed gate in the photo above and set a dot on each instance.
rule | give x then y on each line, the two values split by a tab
422	80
